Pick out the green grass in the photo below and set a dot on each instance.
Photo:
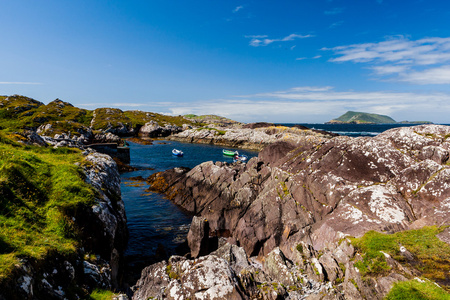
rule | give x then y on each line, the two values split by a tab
415	290
98	294
40	188
361	117
432	255
20	112
140	118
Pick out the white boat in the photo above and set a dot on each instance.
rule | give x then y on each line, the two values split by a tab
177	152
241	158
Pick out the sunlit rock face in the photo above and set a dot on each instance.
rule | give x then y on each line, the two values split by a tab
321	189
287	213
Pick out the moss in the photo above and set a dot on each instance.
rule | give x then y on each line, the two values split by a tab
171	273
342	266
285	188
219	132
40	188
353	281
415	290
109	117
432	255
99	294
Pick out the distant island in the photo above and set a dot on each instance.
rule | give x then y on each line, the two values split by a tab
354	117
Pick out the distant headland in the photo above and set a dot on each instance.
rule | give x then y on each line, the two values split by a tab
354	117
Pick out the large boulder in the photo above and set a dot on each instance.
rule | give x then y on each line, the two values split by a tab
153	130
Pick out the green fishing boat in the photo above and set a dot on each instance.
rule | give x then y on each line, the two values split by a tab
229	152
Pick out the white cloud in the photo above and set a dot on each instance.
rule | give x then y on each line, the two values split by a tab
238	8
17	82
387	70
409	60
301	58
320	104
440	75
262	40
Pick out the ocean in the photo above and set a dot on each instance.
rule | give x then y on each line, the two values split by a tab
353	130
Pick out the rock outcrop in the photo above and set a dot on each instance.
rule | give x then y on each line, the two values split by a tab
316	192
153	130
228	273
255	138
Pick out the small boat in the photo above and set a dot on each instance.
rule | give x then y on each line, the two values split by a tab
241	158
229	152
177	152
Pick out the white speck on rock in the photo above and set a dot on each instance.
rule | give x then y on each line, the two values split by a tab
382	204
26	284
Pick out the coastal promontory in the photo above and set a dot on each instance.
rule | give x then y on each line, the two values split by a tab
354	117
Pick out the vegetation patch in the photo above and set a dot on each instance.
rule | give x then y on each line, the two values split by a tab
39	190
417	290
98	294
431	255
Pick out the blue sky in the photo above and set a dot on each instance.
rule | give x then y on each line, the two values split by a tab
275	61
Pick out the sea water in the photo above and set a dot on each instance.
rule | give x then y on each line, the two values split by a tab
156	225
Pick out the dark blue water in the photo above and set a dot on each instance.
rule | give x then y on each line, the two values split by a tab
353	130
156	226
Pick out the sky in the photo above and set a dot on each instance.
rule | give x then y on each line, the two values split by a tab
251	60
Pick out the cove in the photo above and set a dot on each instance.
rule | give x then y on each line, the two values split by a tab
157	227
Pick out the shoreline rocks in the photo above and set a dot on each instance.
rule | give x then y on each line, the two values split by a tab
316	192
254	138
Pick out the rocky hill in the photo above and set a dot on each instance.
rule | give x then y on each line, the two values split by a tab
302	220
19	112
363	118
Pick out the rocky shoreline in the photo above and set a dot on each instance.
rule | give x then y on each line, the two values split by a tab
248	138
283	226
279	226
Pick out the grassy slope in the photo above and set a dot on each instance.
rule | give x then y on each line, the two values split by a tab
39	187
432	256
18	112
361	117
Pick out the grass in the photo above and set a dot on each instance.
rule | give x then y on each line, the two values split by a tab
432	256
416	290
98	294
20	112
40	188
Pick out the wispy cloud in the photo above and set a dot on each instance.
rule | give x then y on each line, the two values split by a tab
440	75
336	24
263	40
423	61
334	11
18	82
238	8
